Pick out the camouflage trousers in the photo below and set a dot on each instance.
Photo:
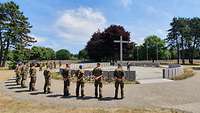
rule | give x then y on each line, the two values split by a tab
32	84
18	79
78	85
98	86
66	87
117	84
23	84
47	85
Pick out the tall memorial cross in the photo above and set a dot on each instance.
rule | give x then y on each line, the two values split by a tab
121	47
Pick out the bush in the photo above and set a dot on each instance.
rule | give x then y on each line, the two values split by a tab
188	72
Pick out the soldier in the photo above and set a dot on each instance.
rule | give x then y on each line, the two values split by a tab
40	69
54	65
47	76
66	79
80	81
119	81
97	73
18	73
51	65
33	77
60	63
24	74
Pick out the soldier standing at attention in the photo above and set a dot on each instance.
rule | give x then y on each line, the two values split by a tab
40	68
18	73
80	81
33	77
66	79
97	73
47	76
24	74
119	81
54	65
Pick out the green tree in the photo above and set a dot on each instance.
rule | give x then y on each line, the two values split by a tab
42	53
63	54
83	55
154	47
14	30
101	46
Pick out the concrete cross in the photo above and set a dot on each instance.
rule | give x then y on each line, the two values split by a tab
121	47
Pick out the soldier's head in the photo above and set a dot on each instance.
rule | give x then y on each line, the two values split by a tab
67	65
80	67
119	66
98	64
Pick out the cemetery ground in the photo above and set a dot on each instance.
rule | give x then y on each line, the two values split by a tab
156	97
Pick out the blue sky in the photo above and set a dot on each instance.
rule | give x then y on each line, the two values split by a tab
69	24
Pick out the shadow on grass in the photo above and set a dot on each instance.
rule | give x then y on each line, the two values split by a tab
55	95
36	93
65	97
107	99
85	98
19	87
21	91
11	84
8	82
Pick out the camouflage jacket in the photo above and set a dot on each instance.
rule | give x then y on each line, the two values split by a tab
47	74
80	75
33	72
97	72
119	73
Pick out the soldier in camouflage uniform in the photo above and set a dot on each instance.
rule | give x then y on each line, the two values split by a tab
54	65
40	68
47	76
51	65
66	79
24	74
119	81
97	73
18	74
33	77
80	81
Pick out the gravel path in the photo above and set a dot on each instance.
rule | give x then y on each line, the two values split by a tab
184	95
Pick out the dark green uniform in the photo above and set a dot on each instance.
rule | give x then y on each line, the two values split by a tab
33	78
97	73
80	82
54	65
119	75
18	74
24	74
47	84
66	76
40	69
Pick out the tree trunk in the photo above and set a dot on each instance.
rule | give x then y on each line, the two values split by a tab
178	51
1	50
6	53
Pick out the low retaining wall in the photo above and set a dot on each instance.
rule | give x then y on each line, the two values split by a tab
109	75
170	73
141	63
88	65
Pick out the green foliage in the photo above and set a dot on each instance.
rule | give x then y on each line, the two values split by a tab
42	53
83	55
14	30
185	36
101	46
63	54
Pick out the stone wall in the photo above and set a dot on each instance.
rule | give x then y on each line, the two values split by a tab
170	73
109	75
141	63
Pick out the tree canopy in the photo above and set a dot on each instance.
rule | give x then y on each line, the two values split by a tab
63	54
101	46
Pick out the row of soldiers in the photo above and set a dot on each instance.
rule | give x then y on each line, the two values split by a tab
22	72
97	76
48	65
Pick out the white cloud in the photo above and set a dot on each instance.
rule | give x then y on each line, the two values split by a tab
77	25
38	38
126	3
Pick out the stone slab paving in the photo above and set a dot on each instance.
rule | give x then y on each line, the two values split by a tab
184	95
